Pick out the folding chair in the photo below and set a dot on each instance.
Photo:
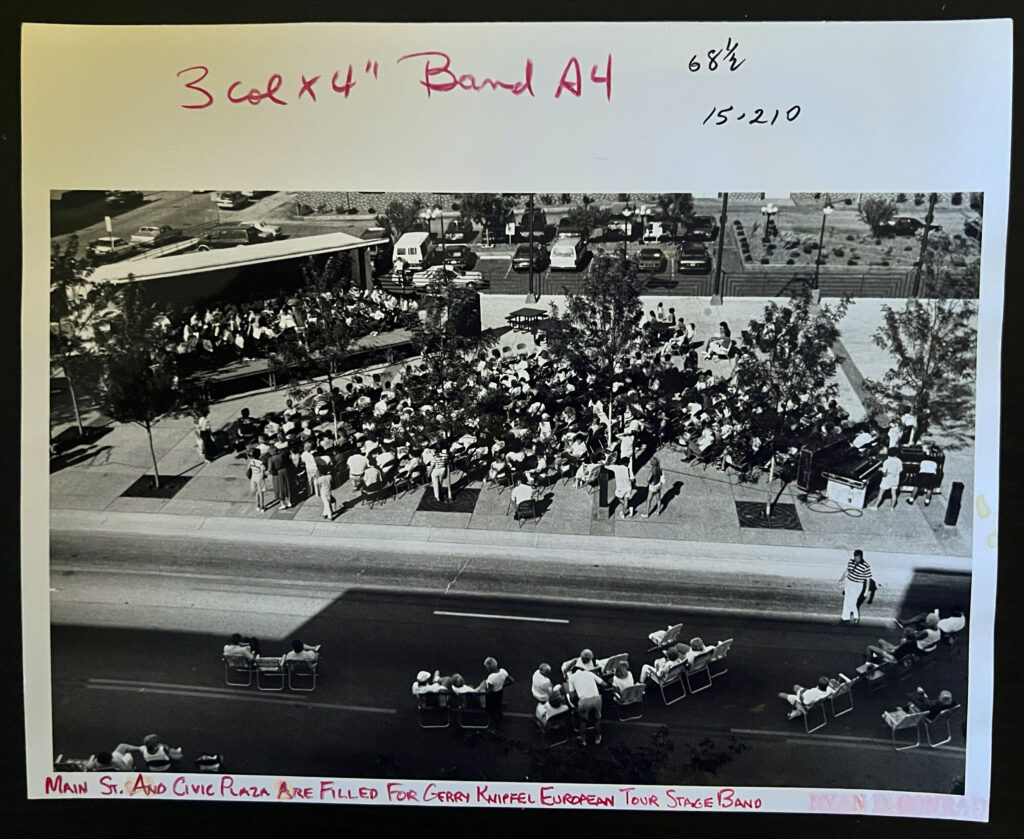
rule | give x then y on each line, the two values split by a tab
721	651
904	668
302	675
805	712
556	730
609	664
674	676
631	697
905	723
269	669
432	710
208	763
471	712
670	637
526	510
236	666
409	480
699	665
943	716
371	495
844	688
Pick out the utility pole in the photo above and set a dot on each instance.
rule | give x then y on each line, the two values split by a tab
531	297
716	295
932	198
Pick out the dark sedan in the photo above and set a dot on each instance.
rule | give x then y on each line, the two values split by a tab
521	259
701	229
694	259
905	226
651	259
458	256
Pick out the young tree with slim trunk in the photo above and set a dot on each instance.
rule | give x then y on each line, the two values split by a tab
77	308
492	210
320	346
400	217
933	342
140	382
600	326
876	211
447	357
786	376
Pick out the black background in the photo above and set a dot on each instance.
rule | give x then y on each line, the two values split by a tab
21	817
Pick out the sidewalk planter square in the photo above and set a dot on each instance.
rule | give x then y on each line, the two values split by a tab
752	514
464	501
170	485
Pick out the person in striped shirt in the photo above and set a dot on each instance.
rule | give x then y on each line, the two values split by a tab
856	575
439	473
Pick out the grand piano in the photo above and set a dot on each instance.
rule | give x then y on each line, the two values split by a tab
846	475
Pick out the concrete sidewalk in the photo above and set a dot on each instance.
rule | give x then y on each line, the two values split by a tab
699	517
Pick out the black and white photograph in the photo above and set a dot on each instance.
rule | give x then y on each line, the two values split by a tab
314	451
396	457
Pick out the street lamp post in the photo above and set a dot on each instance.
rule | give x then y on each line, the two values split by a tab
826	211
716	293
768	211
627	214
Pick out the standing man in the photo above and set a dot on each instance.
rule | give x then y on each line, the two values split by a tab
892	468
493	688
586	686
856	575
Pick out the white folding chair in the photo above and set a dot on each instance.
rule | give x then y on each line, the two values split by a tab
806	713
432	710
609	664
631	697
269	673
556	730
844	688
670	637
904	723
699	665
302	675
674	676
235	668
943	716
721	651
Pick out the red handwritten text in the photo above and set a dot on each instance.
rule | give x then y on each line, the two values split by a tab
572	80
438	76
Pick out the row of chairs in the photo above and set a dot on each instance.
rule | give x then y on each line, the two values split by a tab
706	666
435	710
875	676
270	673
844	688
911	722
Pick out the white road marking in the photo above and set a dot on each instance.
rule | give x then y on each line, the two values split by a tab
500	617
844	740
225	693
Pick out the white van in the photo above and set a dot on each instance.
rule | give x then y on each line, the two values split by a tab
414	249
567	253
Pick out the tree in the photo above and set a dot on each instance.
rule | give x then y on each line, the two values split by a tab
786	373
77	308
140	382
933	342
490	209
320	345
600	327
447	381
876	211
400	217
676	205
588	218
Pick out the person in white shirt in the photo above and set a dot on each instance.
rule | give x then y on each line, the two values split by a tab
522	492
622	678
427	683
623	487
554	706
661	666
586	686
802	699
892	468
493	687
541	686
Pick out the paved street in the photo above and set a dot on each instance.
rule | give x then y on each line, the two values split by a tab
381	616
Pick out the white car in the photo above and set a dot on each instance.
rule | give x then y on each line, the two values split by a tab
108	248
265	229
153	235
466	279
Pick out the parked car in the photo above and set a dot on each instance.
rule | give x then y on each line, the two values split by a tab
972	228
228	237
231	200
539	223
116	198
465	279
905	226
154	235
701	229
693	259
521	260
651	259
457	256
265	229
110	248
